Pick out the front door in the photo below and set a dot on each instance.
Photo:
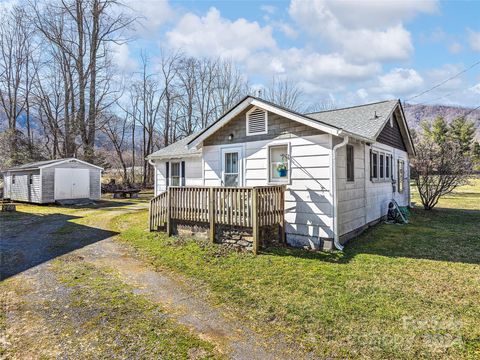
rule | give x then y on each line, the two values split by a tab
232	167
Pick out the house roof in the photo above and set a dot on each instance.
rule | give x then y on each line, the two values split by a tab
364	120
178	148
46	163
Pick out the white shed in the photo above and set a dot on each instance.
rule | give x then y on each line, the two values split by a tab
45	182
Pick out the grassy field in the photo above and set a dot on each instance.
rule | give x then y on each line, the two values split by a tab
398	291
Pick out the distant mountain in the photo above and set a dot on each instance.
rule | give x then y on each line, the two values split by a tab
416	113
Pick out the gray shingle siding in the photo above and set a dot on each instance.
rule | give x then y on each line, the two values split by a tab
391	135
278	128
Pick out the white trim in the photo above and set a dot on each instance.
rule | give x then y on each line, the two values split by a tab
270	108
232	149
288	180
170	163
265	115
64	161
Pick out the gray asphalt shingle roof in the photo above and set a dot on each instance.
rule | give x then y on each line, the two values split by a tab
176	149
364	120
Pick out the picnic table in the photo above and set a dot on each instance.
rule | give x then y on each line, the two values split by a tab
123	194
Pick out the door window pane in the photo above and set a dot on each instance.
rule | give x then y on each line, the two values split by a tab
231	176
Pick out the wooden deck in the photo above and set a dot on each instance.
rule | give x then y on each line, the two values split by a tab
244	207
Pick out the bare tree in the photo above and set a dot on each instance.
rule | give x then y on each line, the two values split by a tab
439	169
116	129
15	48
284	92
83	32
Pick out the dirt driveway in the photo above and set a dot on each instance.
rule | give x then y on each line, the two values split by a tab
68	286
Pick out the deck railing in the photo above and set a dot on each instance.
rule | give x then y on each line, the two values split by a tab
236	206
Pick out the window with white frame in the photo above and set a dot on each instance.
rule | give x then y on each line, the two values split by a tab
257	122
175	174
278	162
232	169
380	165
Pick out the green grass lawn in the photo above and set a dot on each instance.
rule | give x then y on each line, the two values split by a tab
398	291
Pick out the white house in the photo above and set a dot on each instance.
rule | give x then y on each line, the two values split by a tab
47	181
341	167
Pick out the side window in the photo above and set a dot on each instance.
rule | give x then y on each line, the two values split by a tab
374	166
13	179
401	175
175	174
30	179
387	166
278	160
350	163
382	166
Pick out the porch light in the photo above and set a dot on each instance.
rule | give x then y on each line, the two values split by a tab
230	137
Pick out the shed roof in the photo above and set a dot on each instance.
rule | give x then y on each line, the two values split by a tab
178	148
46	163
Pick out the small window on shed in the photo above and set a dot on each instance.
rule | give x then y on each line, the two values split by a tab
350	163
30	179
256	121
13	179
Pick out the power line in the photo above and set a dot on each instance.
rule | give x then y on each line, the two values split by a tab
471	111
444	81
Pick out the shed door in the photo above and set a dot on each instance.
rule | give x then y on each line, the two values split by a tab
72	183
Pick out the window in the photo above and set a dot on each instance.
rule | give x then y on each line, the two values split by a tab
13	179
350	163
382	165
231	173
374	166
256	121
175	174
30	179
279	164
401	176
387	166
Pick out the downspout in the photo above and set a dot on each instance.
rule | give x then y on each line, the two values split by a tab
154	176
336	241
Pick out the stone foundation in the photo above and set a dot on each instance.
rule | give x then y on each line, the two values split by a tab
234	237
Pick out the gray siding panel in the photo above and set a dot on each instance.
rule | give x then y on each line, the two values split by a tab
278	128
22	190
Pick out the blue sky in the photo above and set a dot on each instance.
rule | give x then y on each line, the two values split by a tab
348	52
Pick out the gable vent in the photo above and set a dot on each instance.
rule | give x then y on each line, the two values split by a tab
256	121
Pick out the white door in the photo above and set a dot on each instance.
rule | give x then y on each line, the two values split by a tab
72	183
232	167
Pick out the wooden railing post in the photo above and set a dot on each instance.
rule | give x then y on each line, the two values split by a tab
211	214
255	222
169	213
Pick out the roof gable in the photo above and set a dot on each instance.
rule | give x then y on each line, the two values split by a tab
249	101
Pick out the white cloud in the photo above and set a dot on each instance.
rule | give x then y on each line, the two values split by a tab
269	9
362	30
151	14
121	56
474	40
455	48
213	35
399	82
